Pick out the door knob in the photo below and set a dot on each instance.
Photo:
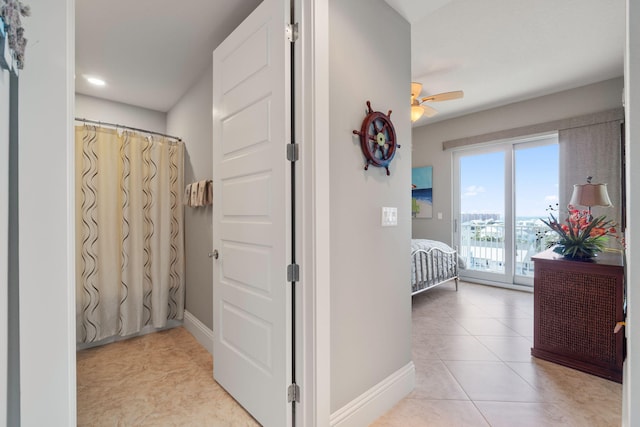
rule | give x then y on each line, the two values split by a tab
214	254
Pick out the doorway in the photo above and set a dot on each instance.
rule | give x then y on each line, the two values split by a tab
48	117
501	193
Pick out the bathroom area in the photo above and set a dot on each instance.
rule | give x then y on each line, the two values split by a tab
143	210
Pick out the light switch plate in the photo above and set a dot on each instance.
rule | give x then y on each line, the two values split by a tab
389	216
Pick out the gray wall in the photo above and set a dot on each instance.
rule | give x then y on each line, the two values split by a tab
369	59
191	119
13	373
9	260
89	107
427	140
5	80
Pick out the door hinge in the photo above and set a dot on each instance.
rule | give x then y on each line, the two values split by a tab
293	273
292	152
293	393
292	32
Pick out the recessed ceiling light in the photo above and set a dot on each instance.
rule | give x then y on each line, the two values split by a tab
95	81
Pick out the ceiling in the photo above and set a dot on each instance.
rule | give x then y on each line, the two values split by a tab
504	51
497	51
150	52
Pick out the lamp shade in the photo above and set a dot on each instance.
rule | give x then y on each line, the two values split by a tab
590	195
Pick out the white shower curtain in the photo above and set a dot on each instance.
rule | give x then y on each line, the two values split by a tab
129	234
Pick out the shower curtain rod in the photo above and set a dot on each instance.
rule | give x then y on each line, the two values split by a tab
78	119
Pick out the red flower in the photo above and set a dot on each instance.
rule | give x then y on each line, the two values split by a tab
581	234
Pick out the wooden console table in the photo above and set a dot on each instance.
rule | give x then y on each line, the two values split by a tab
576	307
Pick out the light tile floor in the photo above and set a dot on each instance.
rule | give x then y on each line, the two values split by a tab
160	379
472	352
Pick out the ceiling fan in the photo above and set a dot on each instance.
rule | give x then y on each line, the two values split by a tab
418	106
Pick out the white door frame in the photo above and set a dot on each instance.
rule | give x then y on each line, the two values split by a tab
631	373
47	217
312	123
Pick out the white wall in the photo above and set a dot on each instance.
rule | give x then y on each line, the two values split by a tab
427	140
46	262
369	59
89	107
4	238
631	380
191	119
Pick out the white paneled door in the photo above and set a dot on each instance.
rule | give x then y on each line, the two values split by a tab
251	214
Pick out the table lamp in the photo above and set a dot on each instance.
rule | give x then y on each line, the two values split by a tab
590	195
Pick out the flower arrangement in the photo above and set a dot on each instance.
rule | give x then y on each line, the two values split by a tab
581	236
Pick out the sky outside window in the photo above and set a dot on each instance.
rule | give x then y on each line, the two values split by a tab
482	184
536	182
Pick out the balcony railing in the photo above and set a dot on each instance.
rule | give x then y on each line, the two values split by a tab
482	246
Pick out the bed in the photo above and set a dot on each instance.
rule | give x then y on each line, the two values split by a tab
432	263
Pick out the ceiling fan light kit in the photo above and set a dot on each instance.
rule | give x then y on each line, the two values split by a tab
416	112
419	109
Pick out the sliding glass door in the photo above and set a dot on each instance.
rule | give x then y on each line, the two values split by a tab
482	211
502	192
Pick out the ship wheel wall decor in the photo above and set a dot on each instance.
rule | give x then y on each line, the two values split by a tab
377	139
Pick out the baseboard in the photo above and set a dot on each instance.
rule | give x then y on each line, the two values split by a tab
376	401
199	330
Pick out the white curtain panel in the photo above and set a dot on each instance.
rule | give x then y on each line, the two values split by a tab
129	235
596	151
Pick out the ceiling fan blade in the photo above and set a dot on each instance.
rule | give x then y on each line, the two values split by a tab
445	96
416	88
429	111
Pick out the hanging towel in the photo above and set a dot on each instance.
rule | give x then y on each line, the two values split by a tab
208	197
187	195
201	192
194	195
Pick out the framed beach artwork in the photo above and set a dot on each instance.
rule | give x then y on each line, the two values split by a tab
422	192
